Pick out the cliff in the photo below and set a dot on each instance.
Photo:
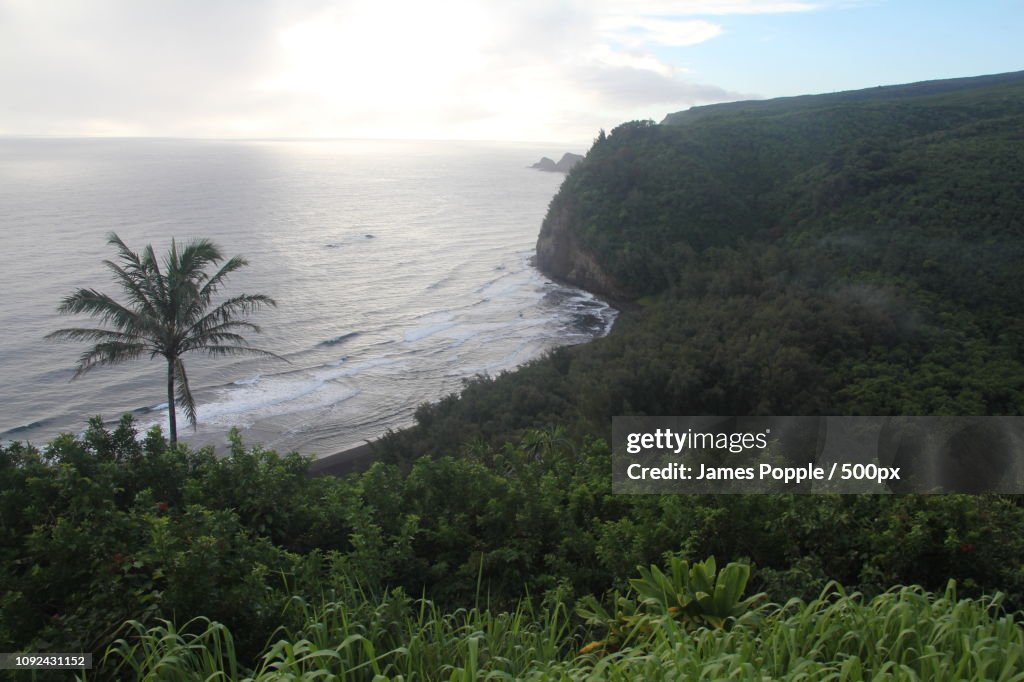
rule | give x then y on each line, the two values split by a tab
929	167
560	255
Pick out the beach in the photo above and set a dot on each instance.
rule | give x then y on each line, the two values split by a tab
344	462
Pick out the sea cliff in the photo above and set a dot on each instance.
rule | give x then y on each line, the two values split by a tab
561	256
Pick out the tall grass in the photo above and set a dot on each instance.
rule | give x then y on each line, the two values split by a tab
904	634
358	639
200	650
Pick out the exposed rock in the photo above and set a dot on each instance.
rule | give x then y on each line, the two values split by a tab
567	161
564	164
545	164
561	256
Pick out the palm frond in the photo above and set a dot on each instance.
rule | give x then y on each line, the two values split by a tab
134	284
197	335
91	334
205	295
158	283
138	273
108	353
241	350
213	284
184	392
226	311
196	255
126	254
219	337
246	303
200	332
185	276
101	305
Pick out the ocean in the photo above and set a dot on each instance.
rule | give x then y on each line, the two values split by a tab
400	269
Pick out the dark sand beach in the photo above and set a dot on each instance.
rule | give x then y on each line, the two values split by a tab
358	458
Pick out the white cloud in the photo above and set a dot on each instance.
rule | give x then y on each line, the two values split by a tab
708	7
639	31
533	69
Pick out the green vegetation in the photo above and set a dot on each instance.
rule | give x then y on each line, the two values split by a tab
904	634
168	313
514	548
859	255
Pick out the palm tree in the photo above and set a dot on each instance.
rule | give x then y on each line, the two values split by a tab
167	313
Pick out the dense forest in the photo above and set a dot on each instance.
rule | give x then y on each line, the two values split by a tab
842	255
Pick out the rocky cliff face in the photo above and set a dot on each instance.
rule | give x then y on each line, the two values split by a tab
561	256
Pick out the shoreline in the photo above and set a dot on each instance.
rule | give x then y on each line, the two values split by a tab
360	457
344	462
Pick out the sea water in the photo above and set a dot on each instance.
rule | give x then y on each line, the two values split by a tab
400	269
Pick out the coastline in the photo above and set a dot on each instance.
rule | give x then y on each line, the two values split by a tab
360	457
617	303
355	459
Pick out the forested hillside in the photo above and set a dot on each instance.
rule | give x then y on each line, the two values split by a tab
894	181
854	254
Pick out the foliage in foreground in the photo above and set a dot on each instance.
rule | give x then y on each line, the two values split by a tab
903	634
107	528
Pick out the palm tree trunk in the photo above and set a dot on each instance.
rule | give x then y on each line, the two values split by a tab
170	402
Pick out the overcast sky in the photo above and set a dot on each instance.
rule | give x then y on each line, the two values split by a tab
544	70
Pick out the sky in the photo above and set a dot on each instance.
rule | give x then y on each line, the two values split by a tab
530	70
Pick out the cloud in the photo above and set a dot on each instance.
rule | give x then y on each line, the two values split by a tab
449	68
150	66
626	87
639	31
709	7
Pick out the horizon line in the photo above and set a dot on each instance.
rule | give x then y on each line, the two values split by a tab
282	138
